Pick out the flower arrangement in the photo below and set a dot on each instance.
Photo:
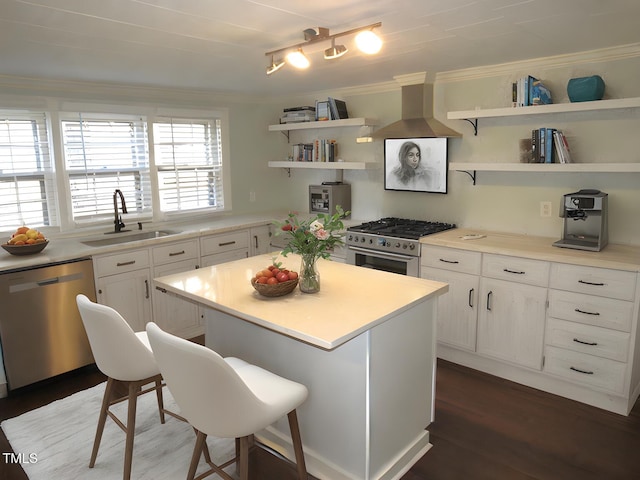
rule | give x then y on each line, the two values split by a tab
314	237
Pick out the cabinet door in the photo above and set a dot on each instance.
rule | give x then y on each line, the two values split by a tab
511	321
172	314
128	293
457	309
259	238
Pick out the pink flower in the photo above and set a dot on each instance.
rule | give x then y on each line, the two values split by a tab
321	234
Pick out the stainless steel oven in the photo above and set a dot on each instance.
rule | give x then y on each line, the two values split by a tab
390	244
386	261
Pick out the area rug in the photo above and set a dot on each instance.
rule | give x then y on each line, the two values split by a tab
55	441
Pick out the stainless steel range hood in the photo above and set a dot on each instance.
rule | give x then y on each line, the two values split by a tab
417	116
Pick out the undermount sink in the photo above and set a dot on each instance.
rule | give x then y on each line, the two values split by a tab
125	237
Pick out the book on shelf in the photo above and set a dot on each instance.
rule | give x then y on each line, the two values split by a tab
338	109
549	145
528	90
320	150
563	154
322	111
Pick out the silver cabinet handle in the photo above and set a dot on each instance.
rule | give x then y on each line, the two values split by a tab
146	289
585	312
173	254
489	300
124	264
591	283
591	344
471	297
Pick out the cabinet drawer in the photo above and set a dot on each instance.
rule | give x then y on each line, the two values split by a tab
121	262
515	269
586	369
175	252
224	242
591	310
594	281
462	261
597	341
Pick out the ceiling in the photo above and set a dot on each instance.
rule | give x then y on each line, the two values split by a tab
220	45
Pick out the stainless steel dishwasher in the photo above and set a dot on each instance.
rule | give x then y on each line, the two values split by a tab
40	328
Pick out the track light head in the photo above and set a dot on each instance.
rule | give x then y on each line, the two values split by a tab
275	66
298	59
336	51
368	42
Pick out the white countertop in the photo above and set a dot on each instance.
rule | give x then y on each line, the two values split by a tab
351	299
619	257
65	247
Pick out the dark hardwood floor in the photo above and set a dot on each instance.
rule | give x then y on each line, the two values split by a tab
485	428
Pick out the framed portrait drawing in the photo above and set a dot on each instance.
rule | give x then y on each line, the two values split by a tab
416	164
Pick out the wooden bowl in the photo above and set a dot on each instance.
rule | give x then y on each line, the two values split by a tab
25	249
275	290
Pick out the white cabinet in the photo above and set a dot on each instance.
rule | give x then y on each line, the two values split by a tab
511	322
123	281
589	324
513	301
259	239
458	308
173	314
224	247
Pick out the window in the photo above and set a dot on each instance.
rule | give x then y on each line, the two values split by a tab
27	193
188	158
102	155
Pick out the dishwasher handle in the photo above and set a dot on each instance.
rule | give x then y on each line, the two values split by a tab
21	287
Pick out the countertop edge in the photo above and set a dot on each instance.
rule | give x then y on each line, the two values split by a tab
614	256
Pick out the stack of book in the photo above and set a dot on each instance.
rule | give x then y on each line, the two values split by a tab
298	114
529	91
321	150
549	145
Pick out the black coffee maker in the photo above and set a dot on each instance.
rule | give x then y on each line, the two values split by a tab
585	220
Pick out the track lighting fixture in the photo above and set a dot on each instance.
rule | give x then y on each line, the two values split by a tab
366	40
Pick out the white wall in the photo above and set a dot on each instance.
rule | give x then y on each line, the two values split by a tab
504	201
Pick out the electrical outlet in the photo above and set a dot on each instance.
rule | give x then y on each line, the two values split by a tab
545	209
252	196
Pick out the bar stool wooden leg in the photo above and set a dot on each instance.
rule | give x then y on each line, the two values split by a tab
195	457
244	458
134	388
297	444
160	399
102	419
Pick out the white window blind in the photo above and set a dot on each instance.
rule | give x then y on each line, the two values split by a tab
27	187
188	158
102	155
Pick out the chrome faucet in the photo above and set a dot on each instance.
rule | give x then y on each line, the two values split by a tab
119	225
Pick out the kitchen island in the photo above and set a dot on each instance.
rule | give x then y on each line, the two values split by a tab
364	346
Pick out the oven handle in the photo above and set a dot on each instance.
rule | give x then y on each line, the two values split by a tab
389	255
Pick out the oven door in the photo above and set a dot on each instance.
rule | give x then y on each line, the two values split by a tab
385	261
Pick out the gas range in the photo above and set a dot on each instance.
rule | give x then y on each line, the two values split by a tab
391	234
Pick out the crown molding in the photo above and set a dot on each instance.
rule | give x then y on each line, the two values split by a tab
591	56
47	87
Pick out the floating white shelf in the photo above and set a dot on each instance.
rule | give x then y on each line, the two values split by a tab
546	167
614	104
346	122
326	165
